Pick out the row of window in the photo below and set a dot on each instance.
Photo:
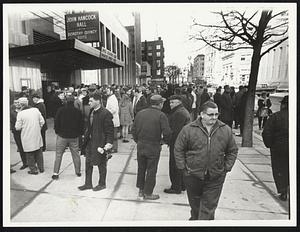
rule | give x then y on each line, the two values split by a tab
116	46
158	46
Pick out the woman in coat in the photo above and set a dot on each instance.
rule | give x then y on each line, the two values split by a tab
276	137
263	111
126	115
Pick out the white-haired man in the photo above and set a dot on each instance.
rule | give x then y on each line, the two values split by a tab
30	121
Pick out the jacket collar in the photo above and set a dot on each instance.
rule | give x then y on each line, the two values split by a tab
198	123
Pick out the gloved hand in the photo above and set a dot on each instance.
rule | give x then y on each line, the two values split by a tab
108	146
100	150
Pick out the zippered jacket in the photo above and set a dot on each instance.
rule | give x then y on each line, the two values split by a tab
198	152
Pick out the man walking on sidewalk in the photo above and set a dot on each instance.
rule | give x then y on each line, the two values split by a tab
148	127
68	126
30	122
179	117
205	150
97	140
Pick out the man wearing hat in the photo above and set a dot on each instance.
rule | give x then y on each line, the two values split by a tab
38	103
30	121
276	137
68	126
147	130
178	117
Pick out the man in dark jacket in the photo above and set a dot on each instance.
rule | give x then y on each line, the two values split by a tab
226	107
139	101
14	109
148	127
276	137
217	97
205	150
38	102
98	141
179	117
68	126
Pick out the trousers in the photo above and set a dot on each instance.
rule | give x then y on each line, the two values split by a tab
102	168
175	174
147	169
61	145
33	158
17	138
203	196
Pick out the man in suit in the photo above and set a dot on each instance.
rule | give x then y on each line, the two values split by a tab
98	141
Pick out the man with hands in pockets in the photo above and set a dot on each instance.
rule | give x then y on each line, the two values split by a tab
98	141
205	150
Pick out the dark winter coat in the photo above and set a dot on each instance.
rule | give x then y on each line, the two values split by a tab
217	100
140	105
98	134
148	127
276	137
179	117
197	152
226	107
68	122
204	98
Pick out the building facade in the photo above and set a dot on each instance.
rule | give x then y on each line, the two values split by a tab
40	54
153	53
198	68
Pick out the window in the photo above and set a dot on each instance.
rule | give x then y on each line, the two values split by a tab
158	63
243	58
118	48
158	72
149	53
113	43
102	39
142	48
108	40
158	54
149	47
122	51
158	46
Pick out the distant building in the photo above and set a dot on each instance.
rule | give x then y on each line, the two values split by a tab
273	69
198	68
153	52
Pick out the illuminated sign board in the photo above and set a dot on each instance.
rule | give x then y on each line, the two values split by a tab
83	26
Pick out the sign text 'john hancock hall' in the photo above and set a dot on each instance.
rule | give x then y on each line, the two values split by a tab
83	26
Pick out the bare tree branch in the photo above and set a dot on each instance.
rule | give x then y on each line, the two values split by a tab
274	46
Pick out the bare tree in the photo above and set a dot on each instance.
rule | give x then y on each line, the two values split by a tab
238	31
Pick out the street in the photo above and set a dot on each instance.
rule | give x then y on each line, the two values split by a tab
249	192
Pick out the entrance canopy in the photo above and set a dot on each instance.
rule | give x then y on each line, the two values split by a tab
65	55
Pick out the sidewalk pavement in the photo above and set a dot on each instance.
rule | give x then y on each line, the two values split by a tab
249	191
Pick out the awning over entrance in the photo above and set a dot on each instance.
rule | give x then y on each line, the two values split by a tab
65	55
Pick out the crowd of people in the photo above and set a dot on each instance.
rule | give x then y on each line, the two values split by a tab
90	119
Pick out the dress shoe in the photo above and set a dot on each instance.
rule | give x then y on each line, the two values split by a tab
54	177
172	191
151	196
78	174
23	167
32	172
42	170
283	196
99	187
85	187
141	193
12	171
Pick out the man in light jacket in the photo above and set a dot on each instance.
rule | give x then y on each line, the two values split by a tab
30	121
205	150
112	105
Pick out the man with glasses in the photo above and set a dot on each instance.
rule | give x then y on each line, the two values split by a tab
205	150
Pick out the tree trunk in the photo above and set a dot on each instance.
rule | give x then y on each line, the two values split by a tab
247	140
